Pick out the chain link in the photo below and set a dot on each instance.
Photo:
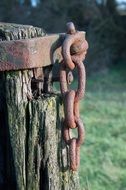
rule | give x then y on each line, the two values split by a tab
73	51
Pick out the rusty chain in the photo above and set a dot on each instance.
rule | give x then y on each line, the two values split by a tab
74	49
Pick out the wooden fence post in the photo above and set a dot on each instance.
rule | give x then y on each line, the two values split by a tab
33	155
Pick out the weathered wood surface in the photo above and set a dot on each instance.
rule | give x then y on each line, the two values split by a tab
33	155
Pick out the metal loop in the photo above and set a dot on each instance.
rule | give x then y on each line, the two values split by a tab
66	134
74	153
70	28
81	132
69	109
70	39
81	81
63	79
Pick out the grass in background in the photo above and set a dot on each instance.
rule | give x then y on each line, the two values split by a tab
103	156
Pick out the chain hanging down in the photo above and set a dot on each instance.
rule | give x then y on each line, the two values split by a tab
72	59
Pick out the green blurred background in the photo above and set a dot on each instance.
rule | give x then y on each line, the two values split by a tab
103	156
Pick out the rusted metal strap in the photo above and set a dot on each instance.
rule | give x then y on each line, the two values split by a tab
31	53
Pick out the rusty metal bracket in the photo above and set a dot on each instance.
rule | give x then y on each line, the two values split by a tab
32	53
